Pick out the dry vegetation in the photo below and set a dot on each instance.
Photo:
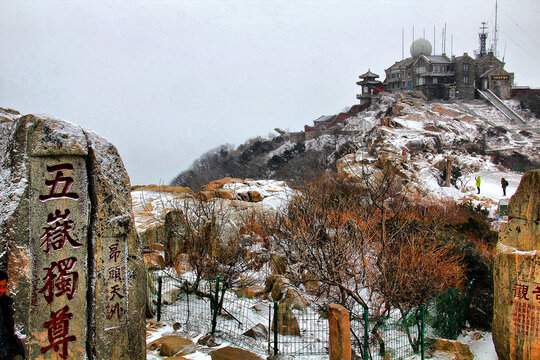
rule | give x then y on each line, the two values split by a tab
364	242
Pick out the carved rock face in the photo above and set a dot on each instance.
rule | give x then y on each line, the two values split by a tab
516	310
69	242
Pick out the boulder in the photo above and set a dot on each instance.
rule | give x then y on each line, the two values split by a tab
162	188
181	263
278	263
279	287
255	196
154	260
251	292
293	299
205	195
68	181
152	234
244	196
172	345
155	247
210	340
227	194
231	353
397	109
287	322
516	275
259	331
460	350
174	227
171	296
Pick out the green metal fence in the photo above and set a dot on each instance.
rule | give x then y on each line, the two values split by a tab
269	327
404	334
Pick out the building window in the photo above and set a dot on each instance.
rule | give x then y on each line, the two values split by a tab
465	67
499	82
435	80
465	79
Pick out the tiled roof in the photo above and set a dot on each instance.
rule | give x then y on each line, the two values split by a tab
437	59
324	119
402	63
369	74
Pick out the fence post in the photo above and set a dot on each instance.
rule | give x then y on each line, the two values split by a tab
215	310
160	284
339	332
366	333
422	331
275	326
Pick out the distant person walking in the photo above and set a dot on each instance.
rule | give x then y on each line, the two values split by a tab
478	183
10	346
504	184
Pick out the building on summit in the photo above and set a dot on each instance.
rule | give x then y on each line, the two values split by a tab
441	77
370	86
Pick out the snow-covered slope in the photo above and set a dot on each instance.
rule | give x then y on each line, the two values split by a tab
422	135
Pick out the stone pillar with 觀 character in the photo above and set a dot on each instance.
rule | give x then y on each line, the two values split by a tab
516	308
69	244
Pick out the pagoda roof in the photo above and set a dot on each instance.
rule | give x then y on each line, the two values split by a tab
369	74
369	82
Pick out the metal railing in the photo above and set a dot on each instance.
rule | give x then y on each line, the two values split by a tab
271	328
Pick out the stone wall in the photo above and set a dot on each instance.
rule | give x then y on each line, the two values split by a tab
69	244
516	309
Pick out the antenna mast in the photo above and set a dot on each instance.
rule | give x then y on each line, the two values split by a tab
495	39
402	43
444	39
434	51
483	37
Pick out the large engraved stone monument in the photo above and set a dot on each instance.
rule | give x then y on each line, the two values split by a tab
69	244
516	309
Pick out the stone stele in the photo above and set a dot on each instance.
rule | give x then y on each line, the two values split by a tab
516	308
69	244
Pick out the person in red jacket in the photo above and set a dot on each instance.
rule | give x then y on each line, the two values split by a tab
11	346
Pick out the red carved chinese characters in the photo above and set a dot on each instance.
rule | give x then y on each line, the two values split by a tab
58	332
526	309
57	182
115	290
114	252
59	280
520	291
115	273
116	309
536	292
57	234
61	277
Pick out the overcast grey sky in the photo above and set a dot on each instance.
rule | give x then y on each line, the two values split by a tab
166	81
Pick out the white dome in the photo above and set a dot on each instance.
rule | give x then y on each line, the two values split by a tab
420	46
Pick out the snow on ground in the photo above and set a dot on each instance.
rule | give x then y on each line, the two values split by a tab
480	343
151	204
